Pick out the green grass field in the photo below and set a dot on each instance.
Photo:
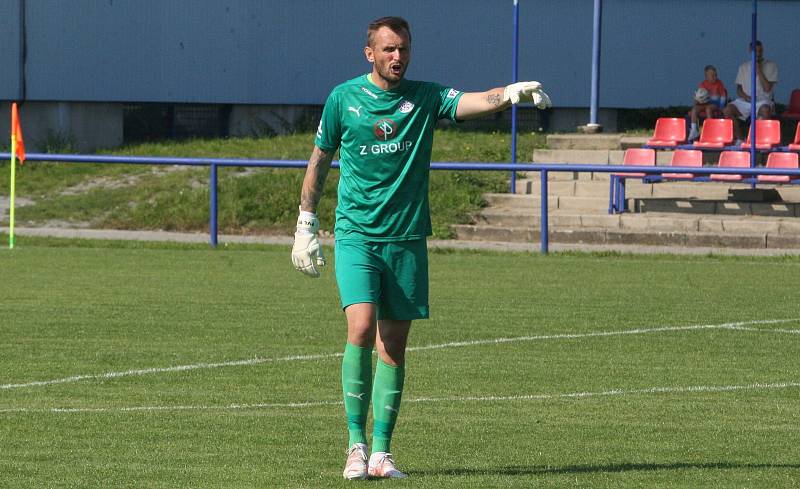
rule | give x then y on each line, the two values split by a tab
172	366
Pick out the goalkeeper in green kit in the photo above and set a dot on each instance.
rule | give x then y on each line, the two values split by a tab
383	125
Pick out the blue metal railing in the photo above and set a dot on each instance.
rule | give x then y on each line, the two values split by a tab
542	168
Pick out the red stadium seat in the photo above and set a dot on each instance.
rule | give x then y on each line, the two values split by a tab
795	146
638	157
780	160
792	111
716	133
632	157
685	157
732	159
768	134
669	131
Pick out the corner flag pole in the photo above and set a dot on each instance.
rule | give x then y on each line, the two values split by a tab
17	149
13	184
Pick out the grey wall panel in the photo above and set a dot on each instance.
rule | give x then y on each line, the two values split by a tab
294	52
654	51
10	50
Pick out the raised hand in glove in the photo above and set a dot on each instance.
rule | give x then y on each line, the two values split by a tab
527	91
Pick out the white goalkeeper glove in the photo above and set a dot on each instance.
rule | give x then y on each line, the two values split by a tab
307	252
527	91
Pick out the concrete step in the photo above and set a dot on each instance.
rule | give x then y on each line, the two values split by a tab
520	201
626	142
584	141
663	222
533	186
600	188
517	217
579	188
595	205
595	141
710	224
568	176
788	193
691	190
721	207
591	157
627	236
589	205
588	157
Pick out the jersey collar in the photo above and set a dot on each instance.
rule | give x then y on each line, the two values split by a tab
400	88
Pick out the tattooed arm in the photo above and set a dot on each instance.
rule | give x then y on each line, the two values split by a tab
316	172
477	104
472	105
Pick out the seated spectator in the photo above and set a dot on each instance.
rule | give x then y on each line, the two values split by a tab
709	100
766	78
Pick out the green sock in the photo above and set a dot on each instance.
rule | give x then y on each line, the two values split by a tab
386	393
356	378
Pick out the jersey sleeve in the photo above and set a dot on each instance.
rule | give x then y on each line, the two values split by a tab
329	131
448	102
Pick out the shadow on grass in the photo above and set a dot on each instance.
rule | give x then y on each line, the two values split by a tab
591	469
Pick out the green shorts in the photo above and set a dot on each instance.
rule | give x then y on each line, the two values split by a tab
392	275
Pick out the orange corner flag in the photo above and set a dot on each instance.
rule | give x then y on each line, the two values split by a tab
16	134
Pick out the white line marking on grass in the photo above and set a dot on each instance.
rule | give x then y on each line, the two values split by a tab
731	326
324	356
177	368
614	392
310	404
764	330
134	409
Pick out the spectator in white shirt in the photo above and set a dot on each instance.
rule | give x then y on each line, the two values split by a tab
766	78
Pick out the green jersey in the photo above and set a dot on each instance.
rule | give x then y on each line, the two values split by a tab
385	139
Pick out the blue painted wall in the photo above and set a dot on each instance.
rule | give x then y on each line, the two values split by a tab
294	52
9	49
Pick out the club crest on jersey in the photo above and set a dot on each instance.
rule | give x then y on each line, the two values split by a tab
385	129
406	106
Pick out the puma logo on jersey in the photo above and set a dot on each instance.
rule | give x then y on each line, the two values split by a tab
390	408
357	111
359	396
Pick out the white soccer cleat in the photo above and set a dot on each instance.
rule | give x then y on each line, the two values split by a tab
381	466
356	466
